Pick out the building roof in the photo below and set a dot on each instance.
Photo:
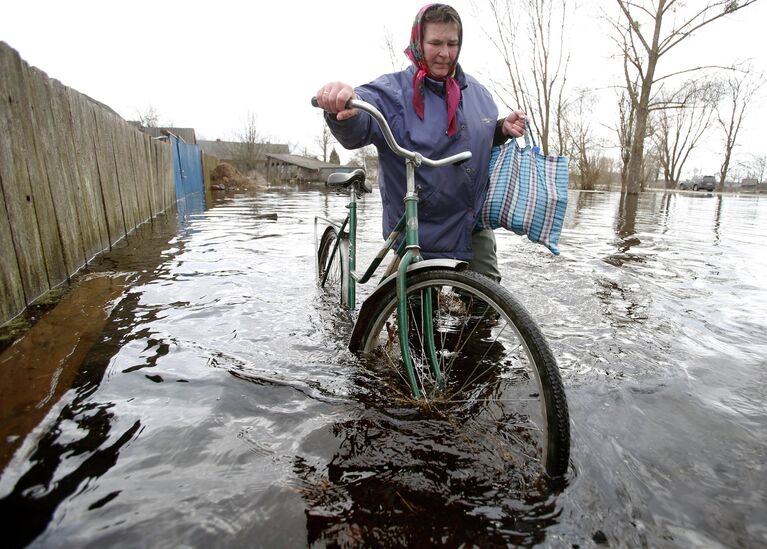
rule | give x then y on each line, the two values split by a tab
220	149
302	161
224	150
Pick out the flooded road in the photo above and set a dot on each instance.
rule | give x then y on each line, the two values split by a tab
219	406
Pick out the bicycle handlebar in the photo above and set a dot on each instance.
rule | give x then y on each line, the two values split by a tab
413	156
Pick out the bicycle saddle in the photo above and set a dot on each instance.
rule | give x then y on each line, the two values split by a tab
354	178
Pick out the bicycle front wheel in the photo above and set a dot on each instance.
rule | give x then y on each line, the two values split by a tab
332	266
496	381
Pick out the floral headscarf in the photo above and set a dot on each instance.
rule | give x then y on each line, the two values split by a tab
414	52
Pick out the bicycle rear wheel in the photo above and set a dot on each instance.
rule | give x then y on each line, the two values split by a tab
500	388
332	267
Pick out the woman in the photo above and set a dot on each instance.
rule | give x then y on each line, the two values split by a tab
436	109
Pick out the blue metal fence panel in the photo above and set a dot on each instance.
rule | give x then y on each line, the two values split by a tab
189	208
187	167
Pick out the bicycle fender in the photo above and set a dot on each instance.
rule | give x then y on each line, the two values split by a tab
369	305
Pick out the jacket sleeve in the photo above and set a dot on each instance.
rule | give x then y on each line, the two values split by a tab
499	138
362	130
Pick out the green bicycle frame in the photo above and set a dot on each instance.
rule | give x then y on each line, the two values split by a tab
409	252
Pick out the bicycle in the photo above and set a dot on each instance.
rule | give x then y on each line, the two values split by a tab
465	348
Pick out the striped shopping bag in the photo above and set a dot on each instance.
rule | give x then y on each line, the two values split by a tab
527	193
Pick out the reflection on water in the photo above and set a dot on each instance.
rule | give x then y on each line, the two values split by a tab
41	366
219	406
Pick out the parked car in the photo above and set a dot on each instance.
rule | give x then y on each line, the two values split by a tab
706	183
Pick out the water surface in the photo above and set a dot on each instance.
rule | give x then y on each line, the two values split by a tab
219	406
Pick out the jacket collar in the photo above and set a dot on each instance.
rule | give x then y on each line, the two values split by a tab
438	86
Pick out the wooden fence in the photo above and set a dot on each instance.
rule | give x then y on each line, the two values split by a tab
75	179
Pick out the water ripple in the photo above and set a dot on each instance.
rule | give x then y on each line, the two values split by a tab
221	407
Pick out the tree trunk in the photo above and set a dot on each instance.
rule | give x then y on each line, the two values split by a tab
634	171
625	225
725	168
634	176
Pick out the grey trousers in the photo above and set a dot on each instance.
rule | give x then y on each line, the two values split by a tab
485	260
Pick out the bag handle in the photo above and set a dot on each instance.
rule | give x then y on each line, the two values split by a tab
528	135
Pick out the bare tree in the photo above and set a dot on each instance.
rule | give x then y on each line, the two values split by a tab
651	166
367	158
397	59
149	117
737	92
580	143
757	169
325	141
625	131
644	39
535	83
679	124
250	149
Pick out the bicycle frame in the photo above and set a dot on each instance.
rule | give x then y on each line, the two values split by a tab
409	250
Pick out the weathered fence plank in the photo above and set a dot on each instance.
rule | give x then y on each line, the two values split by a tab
142	187
105	159
137	147
154	181
71	216
125	178
126	140
146	147
17	163
91	204
11	289
165	173
45	162
151	175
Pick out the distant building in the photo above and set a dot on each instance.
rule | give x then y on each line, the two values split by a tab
291	168
749	184
243	156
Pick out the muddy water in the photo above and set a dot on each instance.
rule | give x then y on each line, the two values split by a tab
219	406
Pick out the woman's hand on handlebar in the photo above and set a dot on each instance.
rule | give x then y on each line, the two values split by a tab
333	97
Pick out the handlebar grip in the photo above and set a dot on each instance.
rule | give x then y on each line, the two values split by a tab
315	104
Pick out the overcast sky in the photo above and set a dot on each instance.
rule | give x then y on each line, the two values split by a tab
206	65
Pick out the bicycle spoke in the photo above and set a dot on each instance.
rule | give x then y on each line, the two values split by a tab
488	384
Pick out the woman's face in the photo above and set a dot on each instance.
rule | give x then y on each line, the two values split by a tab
440	48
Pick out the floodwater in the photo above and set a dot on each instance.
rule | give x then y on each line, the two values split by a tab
219	406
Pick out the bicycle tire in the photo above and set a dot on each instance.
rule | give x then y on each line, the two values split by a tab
336	265
494	360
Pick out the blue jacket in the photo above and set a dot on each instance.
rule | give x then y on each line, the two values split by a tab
450	198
